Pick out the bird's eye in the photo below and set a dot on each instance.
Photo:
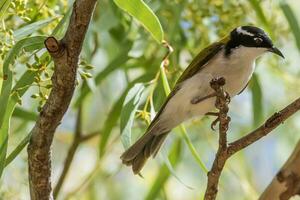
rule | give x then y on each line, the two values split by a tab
258	40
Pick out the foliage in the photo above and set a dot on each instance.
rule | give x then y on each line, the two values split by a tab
121	84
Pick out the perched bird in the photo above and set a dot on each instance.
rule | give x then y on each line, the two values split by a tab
232	58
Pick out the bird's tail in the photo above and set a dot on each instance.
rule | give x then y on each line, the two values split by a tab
137	155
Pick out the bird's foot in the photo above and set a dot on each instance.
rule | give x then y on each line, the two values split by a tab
214	123
227	97
216	114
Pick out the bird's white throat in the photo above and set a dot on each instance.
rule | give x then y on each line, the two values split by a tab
247	53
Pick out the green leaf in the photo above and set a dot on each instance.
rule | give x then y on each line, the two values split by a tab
24	114
292	20
182	127
192	149
165	80
129	109
7	82
17	150
164	172
31	28
8	100
140	11
21	86
61	27
4	4
110	122
115	112
164	156
257	104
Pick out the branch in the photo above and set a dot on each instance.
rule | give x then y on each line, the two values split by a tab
222	100
288	177
274	121
78	139
65	54
286	183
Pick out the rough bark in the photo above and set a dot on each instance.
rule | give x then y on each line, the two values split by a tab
65	54
222	100
286	183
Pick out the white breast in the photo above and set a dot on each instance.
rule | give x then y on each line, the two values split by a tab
236	69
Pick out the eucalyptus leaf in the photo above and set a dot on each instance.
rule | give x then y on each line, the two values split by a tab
61	27
182	129
31	28
115	112
164	156
24	114
130	106
21	87
164	172
7	73
4	4
257	104
9	97
17	150
141	12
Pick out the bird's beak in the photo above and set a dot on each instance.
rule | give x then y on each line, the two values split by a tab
275	50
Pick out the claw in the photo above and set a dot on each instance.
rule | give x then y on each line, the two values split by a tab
212	114
214	123
227	96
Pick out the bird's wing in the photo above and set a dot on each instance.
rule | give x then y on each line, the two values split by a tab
201	59
196	65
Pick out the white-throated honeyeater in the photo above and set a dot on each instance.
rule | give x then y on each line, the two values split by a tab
232	58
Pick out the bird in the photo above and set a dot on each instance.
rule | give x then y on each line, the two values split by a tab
232	58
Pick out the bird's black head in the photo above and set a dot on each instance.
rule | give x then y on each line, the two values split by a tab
250	36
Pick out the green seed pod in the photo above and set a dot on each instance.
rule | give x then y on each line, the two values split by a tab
36	58
19	101
28	66
39	108
89	67
49	86
88	75
34	96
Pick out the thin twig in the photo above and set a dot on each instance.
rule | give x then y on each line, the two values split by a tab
93	173
78	139
70	154
89	136
274	121
85	182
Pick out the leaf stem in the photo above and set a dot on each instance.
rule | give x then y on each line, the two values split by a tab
182	127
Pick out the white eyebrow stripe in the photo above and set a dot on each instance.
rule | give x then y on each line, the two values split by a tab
244	32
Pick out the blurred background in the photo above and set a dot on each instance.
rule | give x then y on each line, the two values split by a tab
120	56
